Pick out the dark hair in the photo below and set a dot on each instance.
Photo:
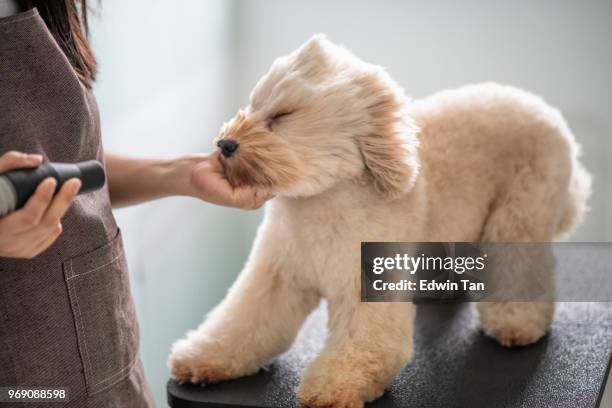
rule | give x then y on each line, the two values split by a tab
67	21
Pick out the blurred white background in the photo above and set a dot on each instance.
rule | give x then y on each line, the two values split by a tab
173	71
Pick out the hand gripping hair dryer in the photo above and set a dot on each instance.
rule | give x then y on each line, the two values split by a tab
17	186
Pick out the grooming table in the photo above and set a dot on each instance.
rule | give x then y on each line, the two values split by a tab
454	365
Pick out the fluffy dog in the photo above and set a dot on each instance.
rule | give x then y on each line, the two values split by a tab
351	159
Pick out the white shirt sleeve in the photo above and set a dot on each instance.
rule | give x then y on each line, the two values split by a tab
8	8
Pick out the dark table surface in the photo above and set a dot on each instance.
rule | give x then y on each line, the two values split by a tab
454	365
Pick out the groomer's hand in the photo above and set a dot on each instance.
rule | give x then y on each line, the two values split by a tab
209	183
30	230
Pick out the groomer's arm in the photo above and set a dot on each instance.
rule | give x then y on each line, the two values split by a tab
133	180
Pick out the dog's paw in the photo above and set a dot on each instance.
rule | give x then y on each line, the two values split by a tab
518	336
516	323
195	363
197	372
329	394
312	398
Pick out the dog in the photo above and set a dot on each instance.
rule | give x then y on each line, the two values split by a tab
351	159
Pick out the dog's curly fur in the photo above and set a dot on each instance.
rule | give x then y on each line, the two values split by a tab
352	159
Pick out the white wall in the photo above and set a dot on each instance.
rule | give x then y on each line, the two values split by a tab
559	49
165	68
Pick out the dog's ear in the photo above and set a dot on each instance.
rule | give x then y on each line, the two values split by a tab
315	50
315	43
389	150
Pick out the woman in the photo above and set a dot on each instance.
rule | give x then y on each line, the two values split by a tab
66	314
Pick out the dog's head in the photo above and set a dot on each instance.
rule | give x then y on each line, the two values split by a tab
320	116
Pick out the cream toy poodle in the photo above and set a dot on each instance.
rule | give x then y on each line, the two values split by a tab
352	159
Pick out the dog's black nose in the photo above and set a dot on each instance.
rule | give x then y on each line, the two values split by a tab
227	146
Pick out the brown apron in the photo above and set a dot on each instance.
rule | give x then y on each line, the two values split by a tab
66	317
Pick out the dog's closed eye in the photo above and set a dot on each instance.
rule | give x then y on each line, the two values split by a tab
276	117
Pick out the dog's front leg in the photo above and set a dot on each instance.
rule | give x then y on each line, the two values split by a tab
369	343
258	320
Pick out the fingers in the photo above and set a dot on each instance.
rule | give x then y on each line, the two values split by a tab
248	198
244	197
215	162
260	198
37	226
31	214
42	207
61	203
15	160
211	184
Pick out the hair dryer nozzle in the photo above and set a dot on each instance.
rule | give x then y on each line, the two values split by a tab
92	175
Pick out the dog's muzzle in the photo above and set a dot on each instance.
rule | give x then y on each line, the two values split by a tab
227	146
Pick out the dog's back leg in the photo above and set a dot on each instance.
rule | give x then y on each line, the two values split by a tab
258	320
528	212
369	343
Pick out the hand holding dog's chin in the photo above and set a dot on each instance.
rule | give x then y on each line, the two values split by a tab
203	177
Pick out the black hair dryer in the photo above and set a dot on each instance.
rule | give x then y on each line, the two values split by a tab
17	186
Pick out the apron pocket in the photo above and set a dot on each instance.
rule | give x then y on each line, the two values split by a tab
104	314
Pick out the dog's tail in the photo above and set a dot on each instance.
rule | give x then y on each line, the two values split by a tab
576	207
